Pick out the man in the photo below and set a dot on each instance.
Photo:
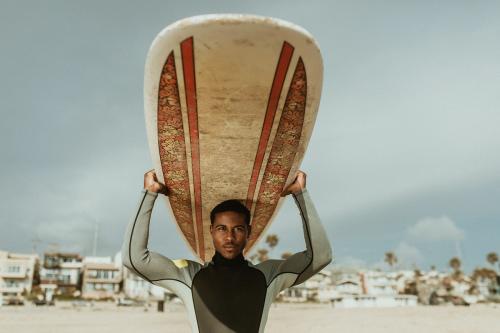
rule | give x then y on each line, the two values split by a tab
227	294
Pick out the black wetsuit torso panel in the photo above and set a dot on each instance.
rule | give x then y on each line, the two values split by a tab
229	296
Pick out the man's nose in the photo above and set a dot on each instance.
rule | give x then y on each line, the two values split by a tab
230	235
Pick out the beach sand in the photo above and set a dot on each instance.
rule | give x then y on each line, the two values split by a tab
289	318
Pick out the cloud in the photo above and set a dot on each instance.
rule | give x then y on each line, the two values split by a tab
350	262
436	229
408	255
70	233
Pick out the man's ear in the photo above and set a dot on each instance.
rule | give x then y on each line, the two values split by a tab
249	231
211	227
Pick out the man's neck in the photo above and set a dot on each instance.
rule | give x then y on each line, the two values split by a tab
218	259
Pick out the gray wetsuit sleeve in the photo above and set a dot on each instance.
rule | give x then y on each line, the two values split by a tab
302	265
150	265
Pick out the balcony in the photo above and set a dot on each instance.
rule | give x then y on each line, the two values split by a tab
59	280
102	273
13	269
116	279
14	275
71	265
12	289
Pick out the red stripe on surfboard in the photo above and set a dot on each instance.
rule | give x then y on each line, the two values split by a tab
283	152
272	106
187	52
172	149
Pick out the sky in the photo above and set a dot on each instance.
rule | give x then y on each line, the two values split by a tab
404	156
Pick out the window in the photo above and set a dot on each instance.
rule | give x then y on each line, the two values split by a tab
10	283
104	274
51	261
13	269
64	279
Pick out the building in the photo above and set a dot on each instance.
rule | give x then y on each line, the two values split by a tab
60	274
134	286
17	274
102	278
137	288
379	283
317	288
371	301
355	289
486	282
347	281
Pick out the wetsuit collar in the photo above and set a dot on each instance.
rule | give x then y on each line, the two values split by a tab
218	259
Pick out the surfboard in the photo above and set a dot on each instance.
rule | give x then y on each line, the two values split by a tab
230	104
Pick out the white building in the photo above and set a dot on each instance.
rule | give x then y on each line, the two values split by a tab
347	281
486	281
16	275
370	301
316	288
137	288
354	289
60	274
379	283
101	278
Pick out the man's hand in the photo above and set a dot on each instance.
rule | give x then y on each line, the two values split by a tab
298	185
152	184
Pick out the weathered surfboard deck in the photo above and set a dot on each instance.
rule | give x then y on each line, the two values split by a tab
230	104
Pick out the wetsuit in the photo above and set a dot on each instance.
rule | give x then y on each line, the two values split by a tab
226	295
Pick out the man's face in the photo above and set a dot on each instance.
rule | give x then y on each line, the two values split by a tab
229	233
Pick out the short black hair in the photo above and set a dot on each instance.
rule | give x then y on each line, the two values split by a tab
231	205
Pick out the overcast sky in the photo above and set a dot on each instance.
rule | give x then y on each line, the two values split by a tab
404	156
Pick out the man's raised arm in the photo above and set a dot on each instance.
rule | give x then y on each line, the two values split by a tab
318	254
136	256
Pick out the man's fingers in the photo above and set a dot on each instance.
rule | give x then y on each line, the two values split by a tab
300	173
151	174
165	190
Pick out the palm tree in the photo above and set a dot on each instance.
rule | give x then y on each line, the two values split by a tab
262	255
272	240
455	263
492	258
390	258
253	257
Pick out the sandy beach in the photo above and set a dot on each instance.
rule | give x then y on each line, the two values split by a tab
289	318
